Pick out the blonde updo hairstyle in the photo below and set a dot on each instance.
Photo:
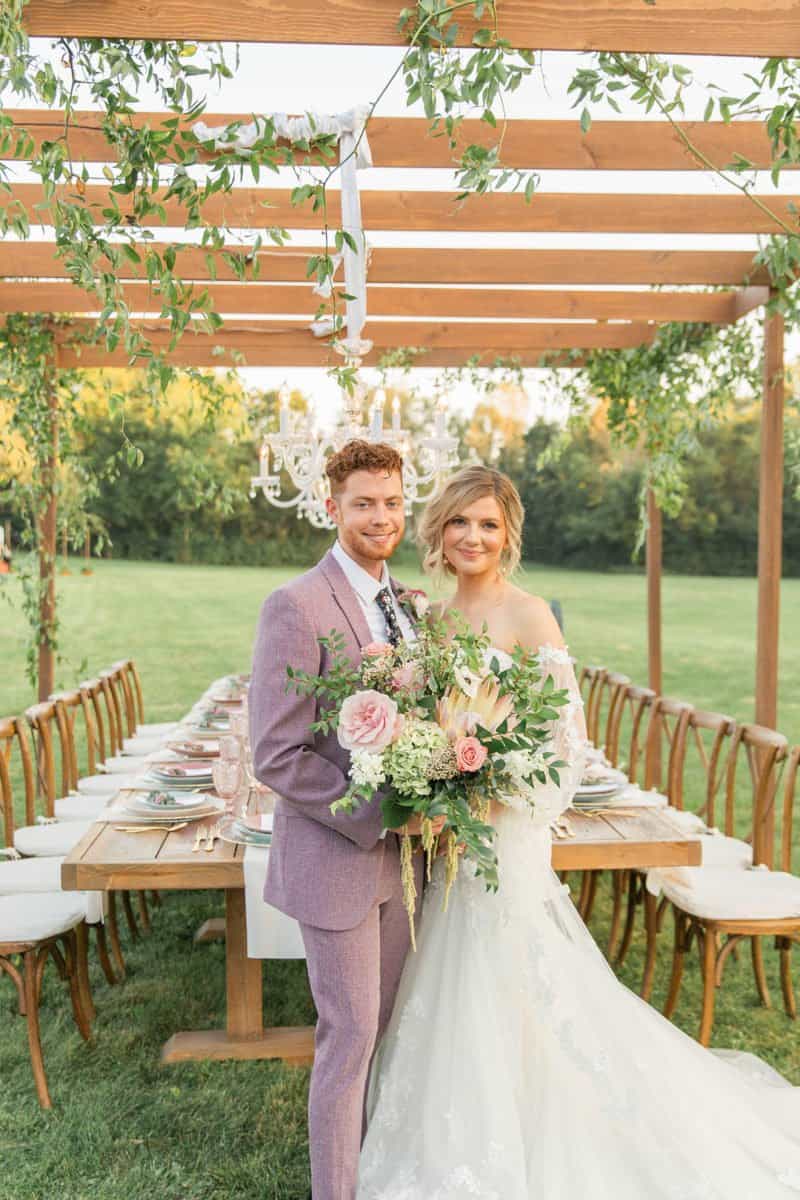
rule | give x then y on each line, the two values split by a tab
460	491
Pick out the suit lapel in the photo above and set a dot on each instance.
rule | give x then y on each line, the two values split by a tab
346	599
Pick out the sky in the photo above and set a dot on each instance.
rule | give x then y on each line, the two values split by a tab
326	79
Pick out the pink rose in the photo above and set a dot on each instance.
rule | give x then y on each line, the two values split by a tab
407	678
369	721
470	753
376	649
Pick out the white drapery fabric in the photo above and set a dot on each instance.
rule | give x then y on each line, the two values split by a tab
354	155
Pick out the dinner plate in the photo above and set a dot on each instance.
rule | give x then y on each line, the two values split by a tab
587	790
196	749
239	835
200	805
257	822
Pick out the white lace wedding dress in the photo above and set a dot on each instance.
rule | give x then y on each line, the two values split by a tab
517	1067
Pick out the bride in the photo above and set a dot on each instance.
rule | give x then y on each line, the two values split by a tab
516	1066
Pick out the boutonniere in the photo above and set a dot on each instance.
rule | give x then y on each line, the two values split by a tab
415	602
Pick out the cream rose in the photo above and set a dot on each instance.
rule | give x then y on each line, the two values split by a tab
369	721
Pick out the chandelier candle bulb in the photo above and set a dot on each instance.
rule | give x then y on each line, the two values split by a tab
283	396
441	416
396	414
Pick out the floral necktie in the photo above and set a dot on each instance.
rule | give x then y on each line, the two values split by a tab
384	601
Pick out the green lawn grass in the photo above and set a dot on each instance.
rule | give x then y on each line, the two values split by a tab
125	1128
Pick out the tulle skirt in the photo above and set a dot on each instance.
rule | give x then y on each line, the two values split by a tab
517	1067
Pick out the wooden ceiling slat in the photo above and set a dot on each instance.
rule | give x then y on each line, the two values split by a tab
746	27
416	211
281	343
543	145
388	301
463	266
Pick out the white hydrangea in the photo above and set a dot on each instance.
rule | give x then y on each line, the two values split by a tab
521	764
366	769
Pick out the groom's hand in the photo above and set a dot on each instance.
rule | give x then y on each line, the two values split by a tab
414	826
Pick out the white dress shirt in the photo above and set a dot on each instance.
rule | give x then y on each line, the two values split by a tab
366	588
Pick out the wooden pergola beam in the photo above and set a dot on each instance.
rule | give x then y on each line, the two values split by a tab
407	141
287	264
265	299
770	523
743	27
277	343
264	208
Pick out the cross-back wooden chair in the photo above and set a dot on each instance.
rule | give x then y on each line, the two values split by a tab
625	742
92	692
660	767
39	867
45	926
119	710
131	681
719	907
79	732
610	695
37	920
700	791
591	685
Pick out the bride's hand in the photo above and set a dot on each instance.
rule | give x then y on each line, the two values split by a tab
413	828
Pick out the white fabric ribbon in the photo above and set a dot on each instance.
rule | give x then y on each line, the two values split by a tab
354	155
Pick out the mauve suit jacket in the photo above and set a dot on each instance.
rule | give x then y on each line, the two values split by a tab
323	869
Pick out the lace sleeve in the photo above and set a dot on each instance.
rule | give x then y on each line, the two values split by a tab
568	734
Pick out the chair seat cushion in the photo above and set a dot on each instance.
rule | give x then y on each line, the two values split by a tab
720	893
106	785
723	851
138	747
156	728
81	808
32	917
48	840
30	875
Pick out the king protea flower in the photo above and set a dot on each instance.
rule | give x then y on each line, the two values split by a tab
459	715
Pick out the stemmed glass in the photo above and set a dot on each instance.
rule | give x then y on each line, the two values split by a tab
227	775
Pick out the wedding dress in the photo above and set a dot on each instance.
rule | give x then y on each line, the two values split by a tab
517	1067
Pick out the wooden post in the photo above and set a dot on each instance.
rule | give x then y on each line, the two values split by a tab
770	523
654	625
47	553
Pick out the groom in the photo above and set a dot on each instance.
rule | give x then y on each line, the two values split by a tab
339	876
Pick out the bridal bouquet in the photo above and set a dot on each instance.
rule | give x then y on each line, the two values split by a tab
439	728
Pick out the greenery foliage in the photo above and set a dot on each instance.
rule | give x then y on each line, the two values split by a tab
583	509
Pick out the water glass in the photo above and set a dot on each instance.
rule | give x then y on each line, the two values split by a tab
229	750
227	776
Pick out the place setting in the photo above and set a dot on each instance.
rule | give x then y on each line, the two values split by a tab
167	811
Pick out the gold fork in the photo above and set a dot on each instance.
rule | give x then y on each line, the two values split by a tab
199	837
213	833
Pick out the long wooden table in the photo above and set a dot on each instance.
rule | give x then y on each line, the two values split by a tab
108	860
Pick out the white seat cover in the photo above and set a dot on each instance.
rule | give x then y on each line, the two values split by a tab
138	747
723	851
49	840
31	875
156	728
106	785
81	808
34	916
732	893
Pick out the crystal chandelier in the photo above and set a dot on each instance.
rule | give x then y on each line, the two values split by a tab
298	452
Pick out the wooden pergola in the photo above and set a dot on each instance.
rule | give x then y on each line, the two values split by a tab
454	302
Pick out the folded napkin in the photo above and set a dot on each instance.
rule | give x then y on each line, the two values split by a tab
600	772
270	933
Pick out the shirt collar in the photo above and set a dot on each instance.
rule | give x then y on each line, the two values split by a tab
362	583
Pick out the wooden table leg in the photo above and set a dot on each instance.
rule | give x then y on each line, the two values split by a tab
243	974
244	1036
